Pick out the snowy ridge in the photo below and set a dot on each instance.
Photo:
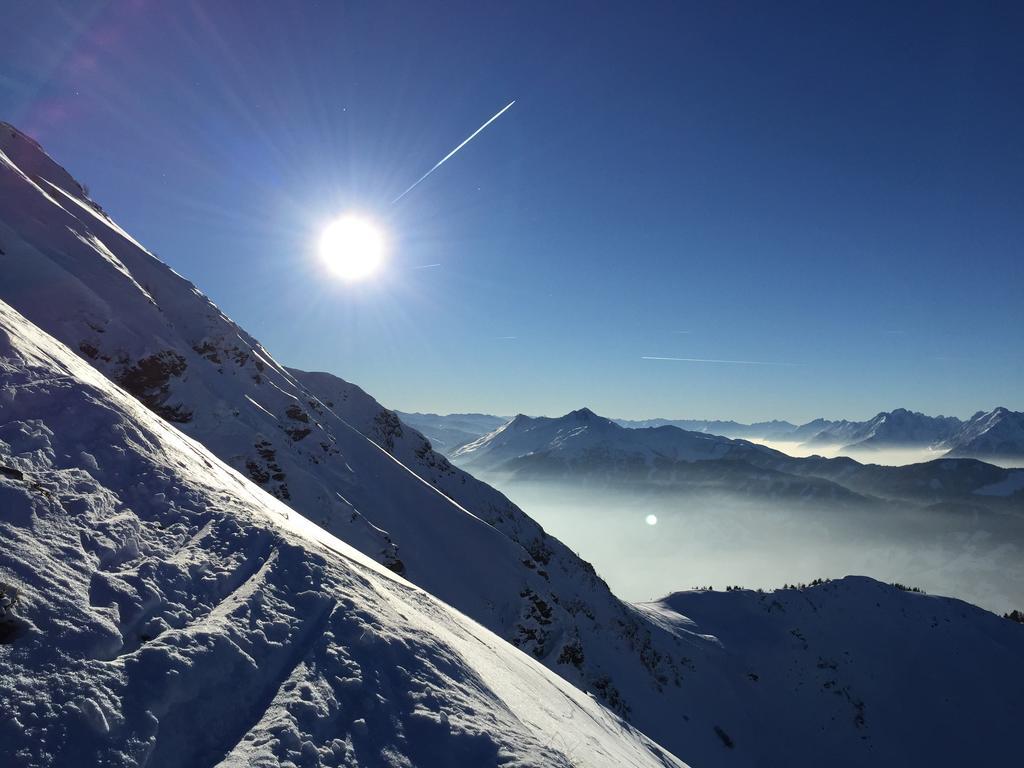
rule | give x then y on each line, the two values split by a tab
171	613
998	434
858	655
899	427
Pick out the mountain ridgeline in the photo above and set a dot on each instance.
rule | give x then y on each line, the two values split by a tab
584	446
996	435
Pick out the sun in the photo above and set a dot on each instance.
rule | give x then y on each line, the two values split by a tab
352	247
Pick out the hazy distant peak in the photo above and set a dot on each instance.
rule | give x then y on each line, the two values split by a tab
997	434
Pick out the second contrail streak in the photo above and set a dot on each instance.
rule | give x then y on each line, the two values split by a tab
446	157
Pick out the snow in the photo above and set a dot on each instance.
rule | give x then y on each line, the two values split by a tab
172	613
995	436
211	582
897	672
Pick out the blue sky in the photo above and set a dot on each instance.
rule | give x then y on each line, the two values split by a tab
836	188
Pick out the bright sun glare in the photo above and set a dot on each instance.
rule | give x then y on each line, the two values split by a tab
352	247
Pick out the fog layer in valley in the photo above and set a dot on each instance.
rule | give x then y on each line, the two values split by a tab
890	456
975	554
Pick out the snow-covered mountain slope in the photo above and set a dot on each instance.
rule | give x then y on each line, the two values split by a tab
852	661
998	434
171	613
73	272
887	429
447	433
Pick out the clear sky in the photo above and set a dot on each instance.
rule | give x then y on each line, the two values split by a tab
837	187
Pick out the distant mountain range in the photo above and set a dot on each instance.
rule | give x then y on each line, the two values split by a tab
769	430
996	435
451	432
583	446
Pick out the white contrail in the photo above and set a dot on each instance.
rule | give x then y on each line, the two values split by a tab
426	266
704	360
445	158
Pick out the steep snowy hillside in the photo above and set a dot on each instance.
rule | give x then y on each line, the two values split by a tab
998	434
74	273
450	432
170	613
855	657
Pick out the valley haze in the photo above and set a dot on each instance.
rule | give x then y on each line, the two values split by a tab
734	511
